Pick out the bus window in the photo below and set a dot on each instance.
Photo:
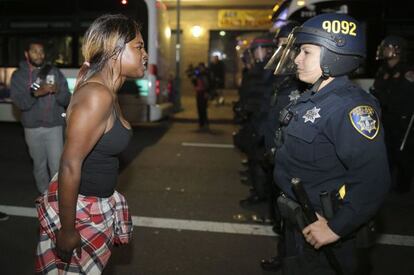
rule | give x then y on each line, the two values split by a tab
61	26
58	50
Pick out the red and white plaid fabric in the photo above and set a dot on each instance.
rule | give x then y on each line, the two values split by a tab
101	222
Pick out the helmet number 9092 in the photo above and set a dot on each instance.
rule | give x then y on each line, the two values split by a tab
336	26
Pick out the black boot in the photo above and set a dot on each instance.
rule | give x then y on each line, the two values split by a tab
251	201
272	264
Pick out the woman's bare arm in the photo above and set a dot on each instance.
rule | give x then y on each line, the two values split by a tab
90	110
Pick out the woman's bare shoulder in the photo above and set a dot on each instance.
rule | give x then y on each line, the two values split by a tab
93	94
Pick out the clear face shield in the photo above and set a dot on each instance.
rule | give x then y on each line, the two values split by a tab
262	53
385	52
271	64
285	58
281	45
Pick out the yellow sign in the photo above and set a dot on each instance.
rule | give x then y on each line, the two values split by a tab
244	18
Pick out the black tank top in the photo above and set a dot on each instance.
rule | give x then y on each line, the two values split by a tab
100	168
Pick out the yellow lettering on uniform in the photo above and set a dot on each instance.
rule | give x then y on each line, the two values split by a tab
342	191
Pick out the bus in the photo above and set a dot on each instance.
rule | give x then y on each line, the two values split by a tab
62	24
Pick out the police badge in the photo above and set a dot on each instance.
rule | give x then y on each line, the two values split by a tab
294	95
365	120
311	115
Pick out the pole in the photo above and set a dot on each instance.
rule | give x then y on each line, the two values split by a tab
177	99
407	132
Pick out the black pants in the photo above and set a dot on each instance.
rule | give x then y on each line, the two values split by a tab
401	162
202	110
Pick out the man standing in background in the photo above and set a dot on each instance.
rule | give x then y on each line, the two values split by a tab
217	71
41	93
202	87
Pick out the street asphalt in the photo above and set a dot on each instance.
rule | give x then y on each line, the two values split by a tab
171	175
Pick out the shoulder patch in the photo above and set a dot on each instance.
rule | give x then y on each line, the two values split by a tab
365	120
409	76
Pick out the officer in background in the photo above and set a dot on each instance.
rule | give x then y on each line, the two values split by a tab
257	83
287	88
332	139
255	101
394	87
240	114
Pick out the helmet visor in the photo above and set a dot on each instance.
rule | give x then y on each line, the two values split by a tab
261	53
286	64
385	52
380	52
271	64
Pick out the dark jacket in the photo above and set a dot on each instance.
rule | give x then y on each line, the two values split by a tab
43	111
335	138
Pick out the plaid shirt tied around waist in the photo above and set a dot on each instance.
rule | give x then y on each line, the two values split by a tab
101	222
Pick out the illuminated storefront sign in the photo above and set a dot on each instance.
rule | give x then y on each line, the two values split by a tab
244	18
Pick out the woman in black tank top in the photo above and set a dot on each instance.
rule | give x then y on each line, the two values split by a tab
83	198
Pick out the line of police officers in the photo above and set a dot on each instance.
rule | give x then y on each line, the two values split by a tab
308	123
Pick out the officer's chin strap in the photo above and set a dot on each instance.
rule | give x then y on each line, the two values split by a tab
317	84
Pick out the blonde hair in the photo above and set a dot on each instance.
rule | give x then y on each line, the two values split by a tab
105	38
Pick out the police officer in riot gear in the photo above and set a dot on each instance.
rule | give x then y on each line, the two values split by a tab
394	87
257	83
240	115
258	89
287	88
255	89
332	139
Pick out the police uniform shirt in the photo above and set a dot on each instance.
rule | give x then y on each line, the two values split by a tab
333	139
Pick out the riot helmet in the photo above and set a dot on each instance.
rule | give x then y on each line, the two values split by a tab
284	31
390	47
340	37
262	47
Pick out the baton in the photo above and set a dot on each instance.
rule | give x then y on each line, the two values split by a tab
407	132
310	216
